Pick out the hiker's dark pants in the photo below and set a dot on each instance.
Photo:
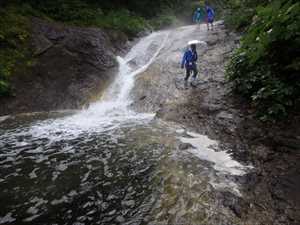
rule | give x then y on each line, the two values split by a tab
189	70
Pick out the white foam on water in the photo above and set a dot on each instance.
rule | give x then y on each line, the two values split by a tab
59	201
34	210
29	219
72	193
38	202
62	167
33	175
205	149
36	150
22	144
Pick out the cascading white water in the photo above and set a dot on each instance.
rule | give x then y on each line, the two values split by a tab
113	108
117	98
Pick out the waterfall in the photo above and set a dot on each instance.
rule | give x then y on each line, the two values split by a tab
112	109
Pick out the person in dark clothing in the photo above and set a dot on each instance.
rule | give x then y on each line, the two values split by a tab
189	62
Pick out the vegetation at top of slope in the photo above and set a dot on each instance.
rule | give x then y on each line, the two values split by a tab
129	16
265	69
14	51
82	13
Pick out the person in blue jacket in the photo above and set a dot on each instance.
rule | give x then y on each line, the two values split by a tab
189	62
210	16
197	16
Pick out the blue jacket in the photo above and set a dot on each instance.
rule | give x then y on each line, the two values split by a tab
210	13
189	59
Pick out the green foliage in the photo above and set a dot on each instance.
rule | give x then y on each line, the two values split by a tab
265	69
240	19
14	33
123	20
144	8
84	13
163	20
129	16
239	13
67	11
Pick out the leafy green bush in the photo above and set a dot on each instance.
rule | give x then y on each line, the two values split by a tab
265	69
239	13
240	19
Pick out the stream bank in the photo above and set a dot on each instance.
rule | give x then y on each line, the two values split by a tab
270	193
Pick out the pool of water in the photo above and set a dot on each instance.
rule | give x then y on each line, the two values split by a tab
132	174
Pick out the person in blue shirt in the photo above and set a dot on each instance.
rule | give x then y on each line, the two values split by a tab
210	16
189	62
197	16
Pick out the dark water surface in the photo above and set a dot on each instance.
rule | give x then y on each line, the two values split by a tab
95	177
132	174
